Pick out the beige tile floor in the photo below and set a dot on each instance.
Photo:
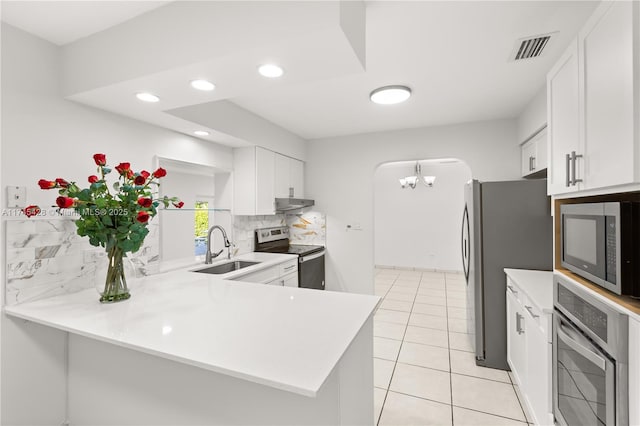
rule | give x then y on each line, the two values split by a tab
424	370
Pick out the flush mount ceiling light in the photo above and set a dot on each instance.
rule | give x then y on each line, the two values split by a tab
412	181
389	95
270	70
147	97
205	85
201	133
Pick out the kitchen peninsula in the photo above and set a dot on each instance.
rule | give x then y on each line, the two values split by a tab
192	348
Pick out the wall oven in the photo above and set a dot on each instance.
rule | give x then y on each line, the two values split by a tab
590	359
601	242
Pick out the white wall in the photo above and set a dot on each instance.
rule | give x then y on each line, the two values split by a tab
533	117
45	136
339	176
419	228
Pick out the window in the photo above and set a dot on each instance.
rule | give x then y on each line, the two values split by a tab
201	225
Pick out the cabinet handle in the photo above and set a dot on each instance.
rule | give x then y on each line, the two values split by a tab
533	163
530	309
510	287
289	267
519	328
568	164
574	157
291	192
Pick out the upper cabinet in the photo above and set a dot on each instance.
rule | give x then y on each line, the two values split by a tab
593	104
261	176
289	178
534	154
563	121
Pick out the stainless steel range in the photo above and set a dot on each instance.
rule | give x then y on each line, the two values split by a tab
590	360
310	258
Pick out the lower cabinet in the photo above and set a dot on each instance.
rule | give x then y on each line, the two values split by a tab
529	353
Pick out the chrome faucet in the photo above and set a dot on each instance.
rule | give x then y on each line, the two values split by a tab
209	256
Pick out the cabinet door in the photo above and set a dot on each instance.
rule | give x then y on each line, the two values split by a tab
540	158
291	280
538	387
528	151
296	177
265	178
516	350
606	47
282	176
563	120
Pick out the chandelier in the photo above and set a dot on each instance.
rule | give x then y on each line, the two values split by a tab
412	181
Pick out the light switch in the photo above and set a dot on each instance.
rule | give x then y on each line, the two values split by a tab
16	196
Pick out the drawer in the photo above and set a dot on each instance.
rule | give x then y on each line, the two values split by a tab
263	276
288	267
513	288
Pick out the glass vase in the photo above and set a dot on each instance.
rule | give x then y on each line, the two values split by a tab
115	283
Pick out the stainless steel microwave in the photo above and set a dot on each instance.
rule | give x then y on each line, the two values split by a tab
601	242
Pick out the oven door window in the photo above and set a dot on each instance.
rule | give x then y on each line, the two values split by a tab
585	382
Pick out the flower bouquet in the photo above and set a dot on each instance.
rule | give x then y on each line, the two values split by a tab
114	220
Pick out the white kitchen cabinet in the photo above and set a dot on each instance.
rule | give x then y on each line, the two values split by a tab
606	46
634	371
516	340
529	338
282	274
563	120
534	153
289	177
253	188
593	104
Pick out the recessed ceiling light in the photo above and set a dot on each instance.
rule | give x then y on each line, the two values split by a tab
202	85
201	133
389	95
147	97
270	70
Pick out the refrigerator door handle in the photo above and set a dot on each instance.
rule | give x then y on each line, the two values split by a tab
466	250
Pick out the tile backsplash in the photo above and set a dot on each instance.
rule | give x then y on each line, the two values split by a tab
47	257
305	228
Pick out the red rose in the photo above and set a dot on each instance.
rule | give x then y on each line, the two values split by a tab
93	179
31	211
46	184
64	202
100	159
63	183
160	173
178	204
145	173
139	180
143	217
145	202
130	173
123	168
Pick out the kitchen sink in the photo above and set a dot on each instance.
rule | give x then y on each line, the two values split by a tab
226	267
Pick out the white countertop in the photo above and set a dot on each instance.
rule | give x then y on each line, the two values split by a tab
283	337
538	285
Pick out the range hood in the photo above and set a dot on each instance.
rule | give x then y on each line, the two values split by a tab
288	204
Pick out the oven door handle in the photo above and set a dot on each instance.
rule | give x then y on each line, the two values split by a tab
311	256
582	350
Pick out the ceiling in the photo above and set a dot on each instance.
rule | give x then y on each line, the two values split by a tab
453	54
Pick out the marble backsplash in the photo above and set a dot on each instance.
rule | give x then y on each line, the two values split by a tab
304	228
307	228
47	257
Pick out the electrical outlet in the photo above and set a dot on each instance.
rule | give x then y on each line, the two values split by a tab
16	196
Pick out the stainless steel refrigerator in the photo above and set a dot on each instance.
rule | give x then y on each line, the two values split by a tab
505	225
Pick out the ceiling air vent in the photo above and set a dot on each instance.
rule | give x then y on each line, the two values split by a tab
530	47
